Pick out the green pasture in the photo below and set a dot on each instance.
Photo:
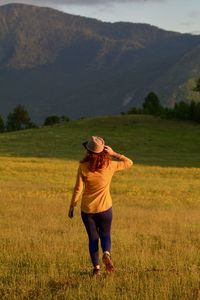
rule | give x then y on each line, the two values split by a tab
156	223
148	140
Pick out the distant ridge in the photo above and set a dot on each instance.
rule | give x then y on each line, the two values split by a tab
57	63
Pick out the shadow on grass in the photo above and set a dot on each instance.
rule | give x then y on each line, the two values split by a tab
165	162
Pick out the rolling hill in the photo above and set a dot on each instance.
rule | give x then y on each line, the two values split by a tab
57	63
146	139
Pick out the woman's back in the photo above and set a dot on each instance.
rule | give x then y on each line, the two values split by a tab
96	185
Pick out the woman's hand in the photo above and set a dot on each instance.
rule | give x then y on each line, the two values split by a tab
112	152
71	212
109	150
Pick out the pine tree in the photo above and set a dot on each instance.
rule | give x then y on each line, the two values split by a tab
18	119
151	104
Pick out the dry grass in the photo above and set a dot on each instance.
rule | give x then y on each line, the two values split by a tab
156	234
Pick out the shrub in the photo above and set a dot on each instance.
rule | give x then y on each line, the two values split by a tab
195	111
2	126
182	110
64	119
51	120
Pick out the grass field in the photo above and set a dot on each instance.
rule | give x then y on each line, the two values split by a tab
156	225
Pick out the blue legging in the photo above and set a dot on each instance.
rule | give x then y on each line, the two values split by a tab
98	225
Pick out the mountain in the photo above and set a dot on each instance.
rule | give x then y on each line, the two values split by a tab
57	63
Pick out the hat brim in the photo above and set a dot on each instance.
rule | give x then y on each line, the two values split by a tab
84	145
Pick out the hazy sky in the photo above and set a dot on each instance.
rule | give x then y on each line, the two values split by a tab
176	15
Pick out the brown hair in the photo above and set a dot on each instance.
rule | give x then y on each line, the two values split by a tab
96	160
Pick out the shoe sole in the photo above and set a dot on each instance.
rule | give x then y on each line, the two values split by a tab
108	264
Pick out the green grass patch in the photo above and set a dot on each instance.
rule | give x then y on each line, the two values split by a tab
147	140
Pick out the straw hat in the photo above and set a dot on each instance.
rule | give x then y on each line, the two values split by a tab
94	144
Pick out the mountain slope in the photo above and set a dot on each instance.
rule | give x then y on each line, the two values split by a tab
57	63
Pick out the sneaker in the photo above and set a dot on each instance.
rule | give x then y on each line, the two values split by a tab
108	262
96	271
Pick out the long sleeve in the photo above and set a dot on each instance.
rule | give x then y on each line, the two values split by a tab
78	189
122	163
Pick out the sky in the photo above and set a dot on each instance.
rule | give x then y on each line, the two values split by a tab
176	15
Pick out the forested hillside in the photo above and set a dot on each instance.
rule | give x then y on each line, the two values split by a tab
54	63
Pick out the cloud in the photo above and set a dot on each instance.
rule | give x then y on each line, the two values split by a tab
76	2
194	15
196	32
187	23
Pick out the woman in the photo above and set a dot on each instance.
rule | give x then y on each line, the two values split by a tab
93	179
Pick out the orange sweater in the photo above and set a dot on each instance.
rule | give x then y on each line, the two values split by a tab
95	186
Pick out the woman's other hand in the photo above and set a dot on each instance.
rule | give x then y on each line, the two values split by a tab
71	212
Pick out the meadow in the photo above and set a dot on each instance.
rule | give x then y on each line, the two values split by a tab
156	221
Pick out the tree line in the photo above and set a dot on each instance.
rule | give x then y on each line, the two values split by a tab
181	110
19	119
